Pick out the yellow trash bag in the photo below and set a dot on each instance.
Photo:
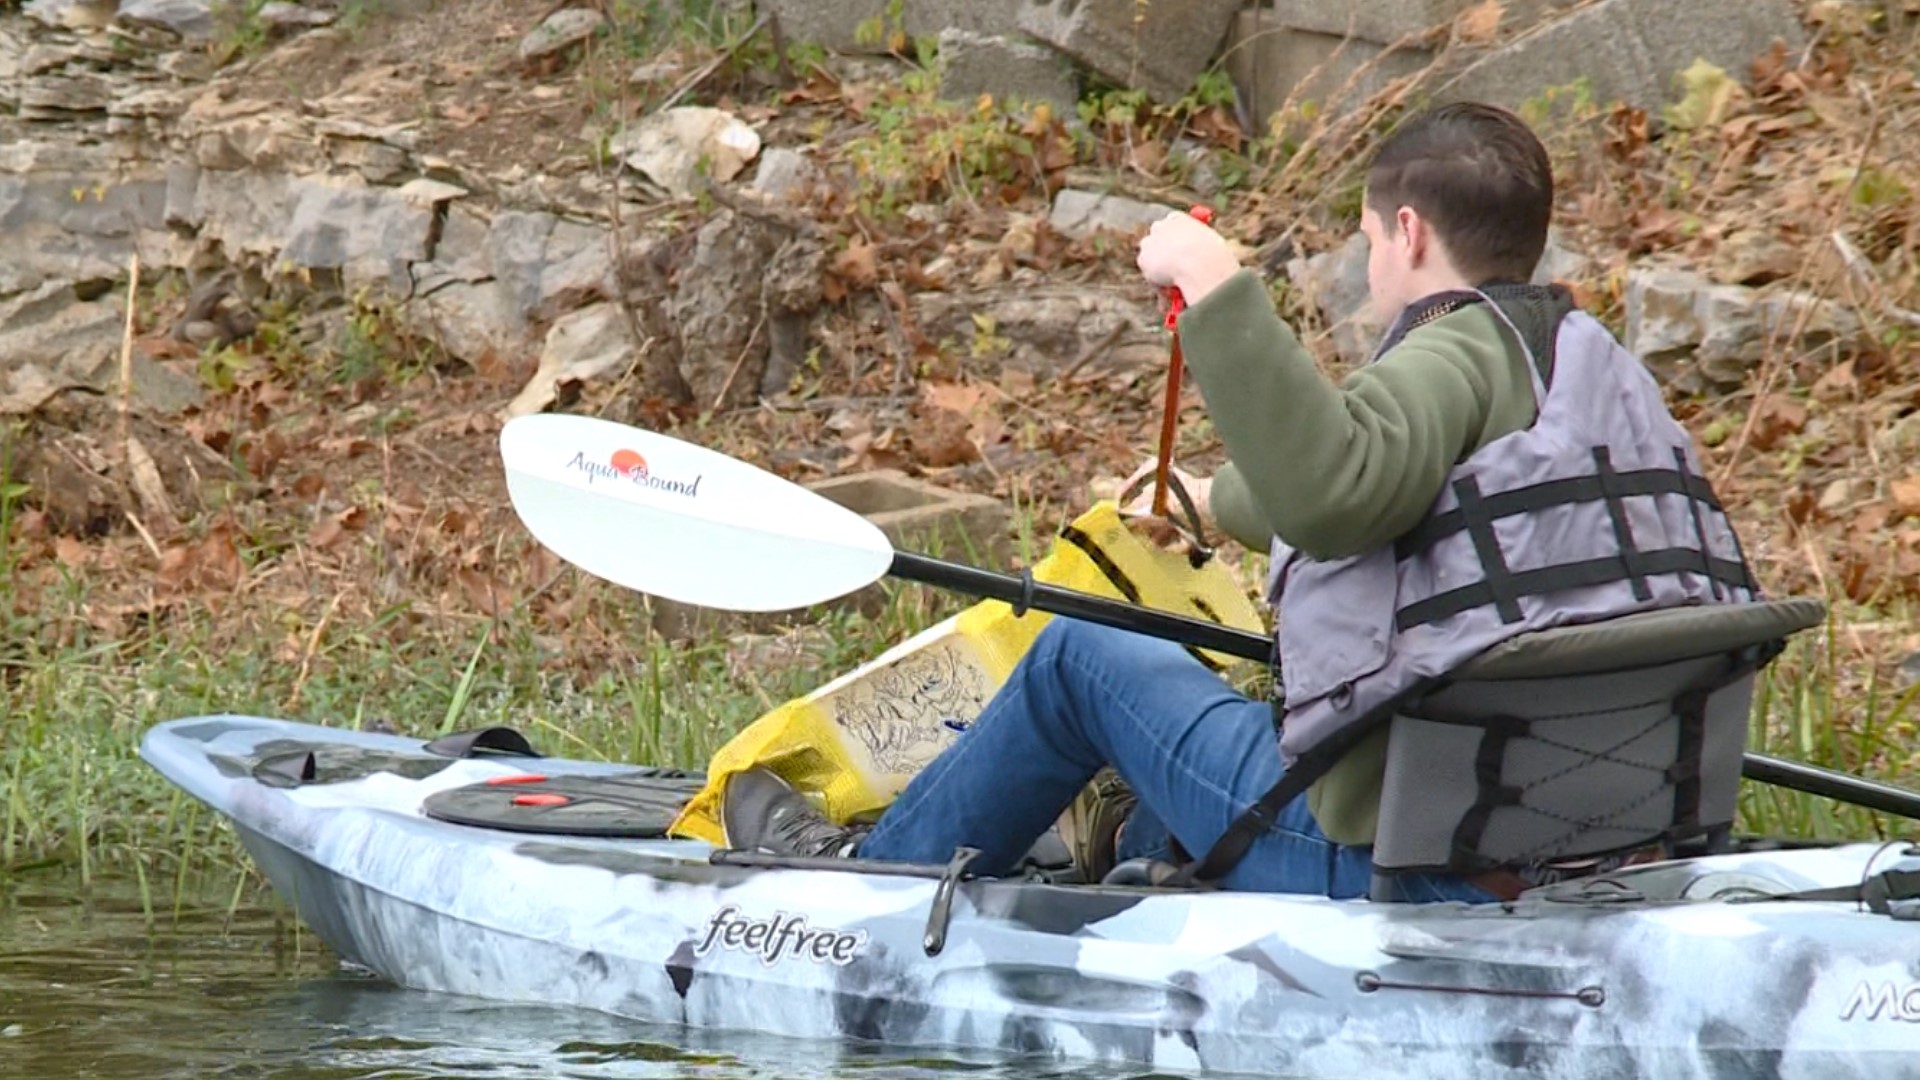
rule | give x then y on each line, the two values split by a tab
857	740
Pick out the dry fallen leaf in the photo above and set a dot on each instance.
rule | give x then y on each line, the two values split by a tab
1906	494
1479	23
856	266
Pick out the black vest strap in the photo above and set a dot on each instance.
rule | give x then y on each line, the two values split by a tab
1696	488
1576	575
1622	528
1550	493
1493	561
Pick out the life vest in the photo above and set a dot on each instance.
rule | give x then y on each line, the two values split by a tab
1598	509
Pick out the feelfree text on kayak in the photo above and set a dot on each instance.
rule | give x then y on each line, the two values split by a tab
782	936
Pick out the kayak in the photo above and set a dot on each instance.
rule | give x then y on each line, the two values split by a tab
470	867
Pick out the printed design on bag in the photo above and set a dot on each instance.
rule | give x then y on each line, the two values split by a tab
901	714
784	936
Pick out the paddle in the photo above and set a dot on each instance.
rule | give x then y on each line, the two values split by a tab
680	521
1176	370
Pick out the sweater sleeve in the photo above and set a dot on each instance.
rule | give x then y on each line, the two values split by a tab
1235	511
1336	470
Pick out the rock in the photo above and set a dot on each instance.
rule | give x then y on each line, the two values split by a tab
669	147
517	248
66	95
428	194
51	342
1755	257
244	212
371	235
1387	21
563	30
1560	263
1009	70
838	24
378	162
282	18
1909	671
72	14
13	51
1163	53
1078	214
1335	282
1629	50
717	309
785	175
191	19
75	227
588	344
1836	495
471	321
1270	64
577	269
1049	326
1705	336
461	254
656	71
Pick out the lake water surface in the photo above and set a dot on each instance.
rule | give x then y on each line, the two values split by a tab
90	989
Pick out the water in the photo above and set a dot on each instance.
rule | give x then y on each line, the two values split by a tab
88	989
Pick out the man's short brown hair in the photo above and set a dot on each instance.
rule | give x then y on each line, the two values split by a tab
1480	176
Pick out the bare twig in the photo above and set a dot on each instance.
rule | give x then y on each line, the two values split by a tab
745	352
126	378
1091	352
313	646
1869	275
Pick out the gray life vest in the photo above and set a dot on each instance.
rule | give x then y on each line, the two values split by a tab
1598	509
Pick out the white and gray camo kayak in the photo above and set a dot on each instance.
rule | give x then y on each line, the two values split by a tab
1687	968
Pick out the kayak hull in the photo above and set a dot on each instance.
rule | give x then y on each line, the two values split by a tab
1263	984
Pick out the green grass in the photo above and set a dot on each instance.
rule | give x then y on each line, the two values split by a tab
73	707
1809	707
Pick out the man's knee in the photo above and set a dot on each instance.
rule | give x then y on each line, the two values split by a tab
1063	635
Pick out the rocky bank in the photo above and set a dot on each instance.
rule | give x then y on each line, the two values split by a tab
478	174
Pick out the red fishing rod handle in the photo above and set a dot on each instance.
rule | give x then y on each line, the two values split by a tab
1177	303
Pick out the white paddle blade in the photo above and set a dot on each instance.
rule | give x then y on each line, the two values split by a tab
680	521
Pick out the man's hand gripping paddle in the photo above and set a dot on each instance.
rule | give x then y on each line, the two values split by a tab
1170	416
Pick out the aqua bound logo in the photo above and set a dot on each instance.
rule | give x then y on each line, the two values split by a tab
628	466
780	937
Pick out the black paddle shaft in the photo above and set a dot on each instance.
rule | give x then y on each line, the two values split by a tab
1023	592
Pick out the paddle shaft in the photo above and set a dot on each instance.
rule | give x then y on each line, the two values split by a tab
1054	600
1176	370
973	581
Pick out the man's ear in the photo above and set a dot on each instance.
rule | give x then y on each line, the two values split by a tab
1416	234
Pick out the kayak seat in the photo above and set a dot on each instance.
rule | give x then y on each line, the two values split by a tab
1556	751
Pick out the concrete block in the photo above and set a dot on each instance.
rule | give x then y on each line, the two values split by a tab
1008	68
925	518
1630	50
915	516
835	24
1162	53
1268	64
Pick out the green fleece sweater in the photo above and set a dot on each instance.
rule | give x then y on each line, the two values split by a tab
1339	469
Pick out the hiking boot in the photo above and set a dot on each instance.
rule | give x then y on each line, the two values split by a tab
762	812
1091	825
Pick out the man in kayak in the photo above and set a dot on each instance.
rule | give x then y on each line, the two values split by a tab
1334	478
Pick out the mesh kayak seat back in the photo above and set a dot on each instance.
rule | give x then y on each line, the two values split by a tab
1579	742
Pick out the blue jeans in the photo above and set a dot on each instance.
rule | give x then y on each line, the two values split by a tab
1195	752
